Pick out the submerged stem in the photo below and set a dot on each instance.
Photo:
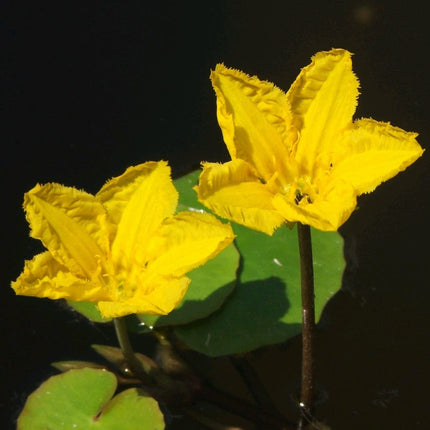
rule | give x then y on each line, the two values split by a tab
255	386
308	324
133	362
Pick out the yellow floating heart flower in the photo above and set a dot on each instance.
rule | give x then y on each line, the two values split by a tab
299	156
123	248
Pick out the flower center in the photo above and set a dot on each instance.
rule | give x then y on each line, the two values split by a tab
300	196
301	191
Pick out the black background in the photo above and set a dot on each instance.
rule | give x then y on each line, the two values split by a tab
93	87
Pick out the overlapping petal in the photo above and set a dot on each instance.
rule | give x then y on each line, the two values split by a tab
185	242
234	191
72	224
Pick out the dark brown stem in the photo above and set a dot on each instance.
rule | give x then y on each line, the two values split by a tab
264	414
244	409
226	401
252	381
308	325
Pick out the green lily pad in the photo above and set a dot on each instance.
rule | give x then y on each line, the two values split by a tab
82	399
187	195
265	307
89	310
211	284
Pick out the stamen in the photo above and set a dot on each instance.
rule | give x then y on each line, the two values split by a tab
298	197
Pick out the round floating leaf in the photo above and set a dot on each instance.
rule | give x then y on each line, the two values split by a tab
265	307
82	399
187	195
211	283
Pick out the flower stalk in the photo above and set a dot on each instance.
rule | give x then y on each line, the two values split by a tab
308	324
132	361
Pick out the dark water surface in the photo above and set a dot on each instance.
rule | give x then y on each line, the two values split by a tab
95	87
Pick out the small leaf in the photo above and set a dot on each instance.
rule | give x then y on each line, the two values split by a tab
82	399
116	357
64	366
111	354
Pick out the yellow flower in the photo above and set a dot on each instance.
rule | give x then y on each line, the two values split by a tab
122	248
299	157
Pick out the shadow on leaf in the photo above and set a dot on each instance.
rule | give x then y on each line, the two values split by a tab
250	318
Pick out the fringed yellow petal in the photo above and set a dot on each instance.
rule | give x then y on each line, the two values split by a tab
375	152
187	241
71	224
255	120
138	201
323	100
43	276
327	213
165	295
233	191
